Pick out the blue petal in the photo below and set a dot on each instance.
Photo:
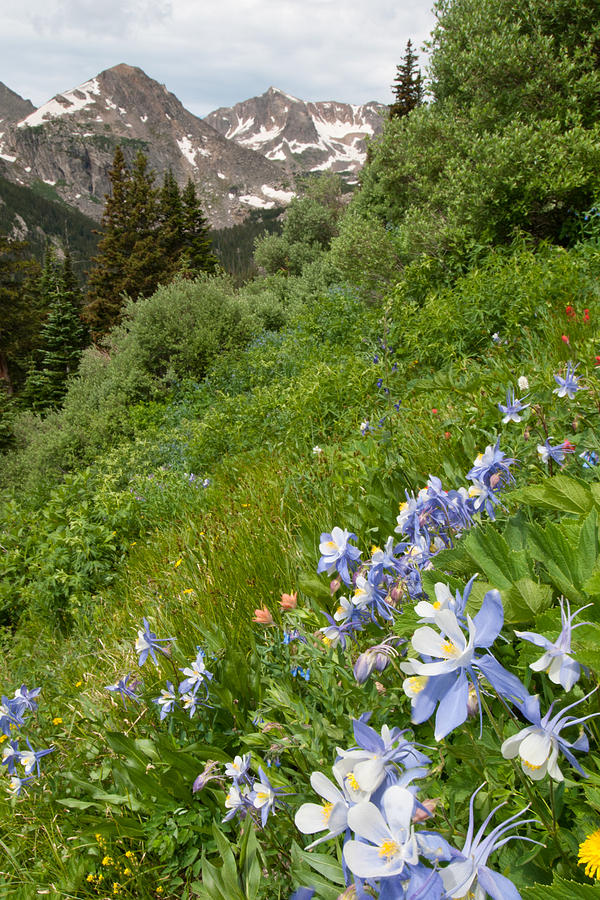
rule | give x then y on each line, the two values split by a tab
489	620
497	886
453	708
508	685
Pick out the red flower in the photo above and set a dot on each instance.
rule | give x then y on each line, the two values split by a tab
567	445
597	360
447	435
571	314
565	338
586	315
434	411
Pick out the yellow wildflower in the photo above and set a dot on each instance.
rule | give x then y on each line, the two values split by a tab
78	683
91	877
127	871
57	720
107	861
589	854
178	563
130	854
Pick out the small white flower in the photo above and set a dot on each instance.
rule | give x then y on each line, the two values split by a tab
523	383
317	450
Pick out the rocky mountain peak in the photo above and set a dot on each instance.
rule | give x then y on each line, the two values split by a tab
304	136
69	143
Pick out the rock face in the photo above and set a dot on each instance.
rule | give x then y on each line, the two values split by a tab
307	137
69	144
12	107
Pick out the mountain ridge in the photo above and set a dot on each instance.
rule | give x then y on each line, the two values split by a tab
69	144
306	136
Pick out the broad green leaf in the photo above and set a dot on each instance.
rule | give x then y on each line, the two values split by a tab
492	556
559	557
525	599
561	492
228	871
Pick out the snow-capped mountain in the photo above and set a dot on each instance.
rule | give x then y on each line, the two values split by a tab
69	144
307	137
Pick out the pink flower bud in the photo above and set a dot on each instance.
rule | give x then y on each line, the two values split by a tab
289	601
263	616
334	585
430	806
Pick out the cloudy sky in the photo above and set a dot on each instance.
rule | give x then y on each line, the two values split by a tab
213	54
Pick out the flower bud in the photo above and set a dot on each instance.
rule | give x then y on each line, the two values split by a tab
289	601
263	616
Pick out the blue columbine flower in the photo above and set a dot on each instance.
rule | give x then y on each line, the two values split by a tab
25	699
30	759
557	661
569	385
468	874
264	796
238	769
376	759
167	700
492	468
197	675
147	644
539	744
377	657
126	690
450	665
558	453
10	714
514	409
11	756
338	553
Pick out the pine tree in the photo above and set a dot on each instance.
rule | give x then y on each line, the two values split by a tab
196	251
408	85
62	336
21	311
106	282
171	226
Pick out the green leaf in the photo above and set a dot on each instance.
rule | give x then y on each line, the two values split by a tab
492	556
228	871
562	492
561	890
525	599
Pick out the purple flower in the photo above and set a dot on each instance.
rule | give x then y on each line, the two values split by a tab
468	873
513	409
569	385
338	553
147	644
123	688
539	744
558	453
557	661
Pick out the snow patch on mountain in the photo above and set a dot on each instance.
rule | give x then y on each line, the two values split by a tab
64	104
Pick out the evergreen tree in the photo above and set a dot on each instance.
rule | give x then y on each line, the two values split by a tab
62	336
196	249
21	311
171	226
408	85
106	283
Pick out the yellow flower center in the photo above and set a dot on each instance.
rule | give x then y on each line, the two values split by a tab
437	604
450	650
331	545
388	849
351	779
327	807
530	766
416	683
326	640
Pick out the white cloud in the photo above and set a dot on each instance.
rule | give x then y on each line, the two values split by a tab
213	55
